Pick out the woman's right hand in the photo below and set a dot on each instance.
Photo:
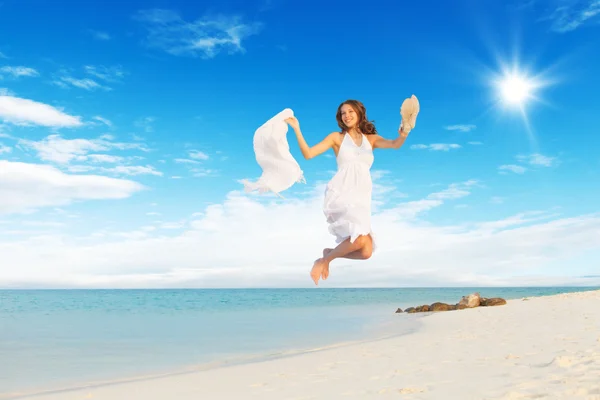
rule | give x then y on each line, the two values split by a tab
293	122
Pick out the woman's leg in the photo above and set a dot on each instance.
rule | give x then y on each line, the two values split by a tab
360	249
355	255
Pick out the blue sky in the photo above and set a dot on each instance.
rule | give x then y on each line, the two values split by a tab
124	132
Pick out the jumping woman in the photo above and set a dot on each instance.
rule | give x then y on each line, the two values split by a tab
347	204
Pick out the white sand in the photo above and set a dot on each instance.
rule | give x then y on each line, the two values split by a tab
541	348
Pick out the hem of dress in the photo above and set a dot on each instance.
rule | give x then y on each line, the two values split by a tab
354	236
263	186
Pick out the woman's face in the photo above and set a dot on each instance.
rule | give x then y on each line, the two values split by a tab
349	116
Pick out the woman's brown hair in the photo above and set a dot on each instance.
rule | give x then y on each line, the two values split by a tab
364	125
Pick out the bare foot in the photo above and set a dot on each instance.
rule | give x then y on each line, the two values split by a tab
325	272
317	269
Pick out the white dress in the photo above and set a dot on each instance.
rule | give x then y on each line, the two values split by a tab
347	204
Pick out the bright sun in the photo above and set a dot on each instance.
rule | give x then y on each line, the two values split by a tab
515	89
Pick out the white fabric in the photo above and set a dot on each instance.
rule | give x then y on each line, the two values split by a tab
272	151
347	204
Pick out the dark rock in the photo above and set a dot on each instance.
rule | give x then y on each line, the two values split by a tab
439	307
471	301
495	301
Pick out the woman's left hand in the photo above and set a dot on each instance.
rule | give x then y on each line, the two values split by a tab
293	122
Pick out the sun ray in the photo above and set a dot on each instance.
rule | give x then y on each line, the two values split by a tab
529	129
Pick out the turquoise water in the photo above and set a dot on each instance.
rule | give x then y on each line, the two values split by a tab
53	339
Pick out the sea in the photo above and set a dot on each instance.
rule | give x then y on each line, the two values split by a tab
60	339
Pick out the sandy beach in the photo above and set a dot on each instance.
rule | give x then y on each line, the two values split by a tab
542	348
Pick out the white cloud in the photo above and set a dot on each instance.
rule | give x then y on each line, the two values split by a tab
412	209
25	187
104	158
145	123
454	191
202	172
28	228
3	129
80	168
5	149
276	242
535	159
198	155
206	37
117	170
461	128
63	151
384	188
436	146
517	169
21	111
85	83
475	143
538	159
52	224
102	73
108	74
133	170
103	120
186	161
173	225
568	17
515	220
18	71
100	35
443	146
496	200
2	55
